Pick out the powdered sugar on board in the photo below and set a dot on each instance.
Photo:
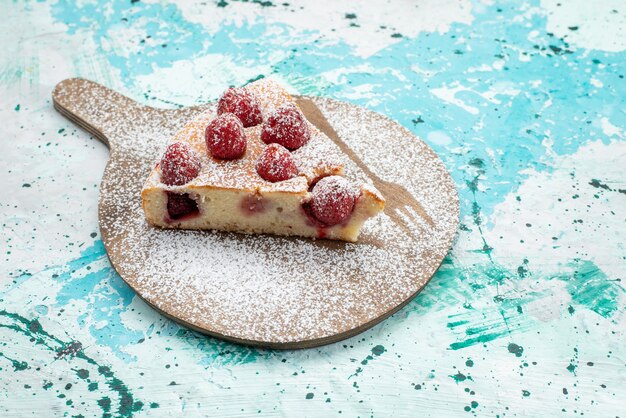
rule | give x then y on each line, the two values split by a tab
271	290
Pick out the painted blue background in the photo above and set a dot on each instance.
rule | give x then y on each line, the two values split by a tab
524	103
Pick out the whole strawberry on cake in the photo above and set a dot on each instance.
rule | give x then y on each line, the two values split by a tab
257	166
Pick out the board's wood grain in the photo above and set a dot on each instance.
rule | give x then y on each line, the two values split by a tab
101	111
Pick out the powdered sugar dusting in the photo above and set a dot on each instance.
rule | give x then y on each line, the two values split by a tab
270	95
274	290
319	156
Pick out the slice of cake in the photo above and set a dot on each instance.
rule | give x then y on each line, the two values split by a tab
258	166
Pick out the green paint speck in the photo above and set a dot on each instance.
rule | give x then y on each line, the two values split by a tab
459	377
516	349
137	406
253	79
476	340
17	365
378	350
105	404
457	323
34	326
590	287
571	368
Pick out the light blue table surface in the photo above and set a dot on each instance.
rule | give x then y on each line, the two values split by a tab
525	102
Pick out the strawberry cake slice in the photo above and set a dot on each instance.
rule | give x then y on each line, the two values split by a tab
258	166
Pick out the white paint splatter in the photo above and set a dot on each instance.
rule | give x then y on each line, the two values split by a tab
341	21
588	24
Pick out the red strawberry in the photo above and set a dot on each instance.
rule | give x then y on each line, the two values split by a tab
333	200
241	103
180	164
276	164
286	126
225	137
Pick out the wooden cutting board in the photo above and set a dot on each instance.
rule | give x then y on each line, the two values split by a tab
265	290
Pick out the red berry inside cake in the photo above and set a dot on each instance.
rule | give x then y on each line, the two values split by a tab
257	165
180	205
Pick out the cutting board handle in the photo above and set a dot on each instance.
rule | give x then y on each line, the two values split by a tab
92	106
